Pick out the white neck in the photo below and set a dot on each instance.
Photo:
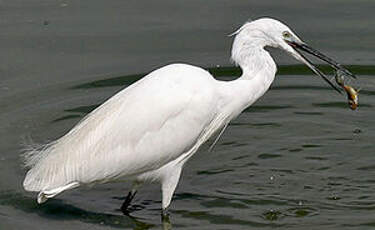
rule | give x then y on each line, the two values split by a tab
258	63
258	72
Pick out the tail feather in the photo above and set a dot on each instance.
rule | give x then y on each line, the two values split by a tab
33	152
43	175
32	156
46	169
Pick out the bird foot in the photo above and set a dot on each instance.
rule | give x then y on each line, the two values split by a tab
166	221
165	215
125	206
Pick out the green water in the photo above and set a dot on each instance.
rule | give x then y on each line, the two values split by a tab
298	158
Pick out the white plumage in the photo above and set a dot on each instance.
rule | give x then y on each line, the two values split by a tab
162	118
147	131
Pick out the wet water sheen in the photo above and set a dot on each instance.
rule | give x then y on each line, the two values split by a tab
298	158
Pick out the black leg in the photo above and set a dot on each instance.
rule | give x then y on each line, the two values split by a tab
125	205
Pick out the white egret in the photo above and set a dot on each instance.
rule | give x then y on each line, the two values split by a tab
147	131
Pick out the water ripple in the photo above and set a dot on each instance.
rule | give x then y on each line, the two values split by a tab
56	209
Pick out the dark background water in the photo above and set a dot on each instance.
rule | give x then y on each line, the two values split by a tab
297	159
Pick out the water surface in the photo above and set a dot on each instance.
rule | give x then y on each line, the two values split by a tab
299	158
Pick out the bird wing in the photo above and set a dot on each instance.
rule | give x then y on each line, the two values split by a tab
141	128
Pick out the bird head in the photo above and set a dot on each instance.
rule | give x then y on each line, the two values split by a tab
271	32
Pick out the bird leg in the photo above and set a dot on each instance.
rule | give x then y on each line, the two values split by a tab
165	219
164	213
128	199
168	187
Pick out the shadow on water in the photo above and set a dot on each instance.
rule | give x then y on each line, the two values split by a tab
114	81
228	73
79	112
233	72
58	210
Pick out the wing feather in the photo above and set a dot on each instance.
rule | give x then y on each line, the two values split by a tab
141	128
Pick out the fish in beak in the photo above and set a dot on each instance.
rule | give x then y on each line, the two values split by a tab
299	47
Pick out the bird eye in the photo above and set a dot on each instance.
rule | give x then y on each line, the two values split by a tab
286	34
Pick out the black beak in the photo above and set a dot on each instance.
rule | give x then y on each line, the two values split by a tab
323	57
303	47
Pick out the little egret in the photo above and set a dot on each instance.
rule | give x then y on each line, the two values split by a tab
147	131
